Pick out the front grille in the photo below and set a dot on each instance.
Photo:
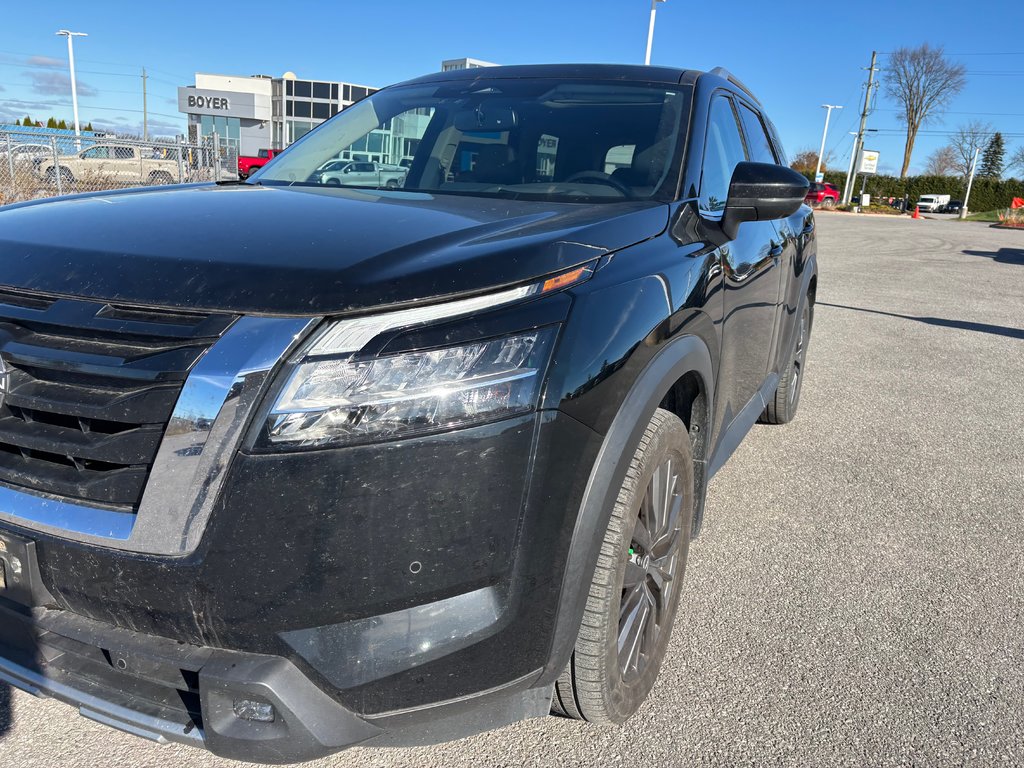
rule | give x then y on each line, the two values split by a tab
89	390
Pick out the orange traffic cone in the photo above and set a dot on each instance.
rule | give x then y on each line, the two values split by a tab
917	212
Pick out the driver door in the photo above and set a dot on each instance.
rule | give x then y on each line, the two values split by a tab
750	268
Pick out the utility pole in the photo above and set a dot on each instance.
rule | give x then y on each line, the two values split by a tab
824	135
650	30
970	183
858	143
145	113
74	88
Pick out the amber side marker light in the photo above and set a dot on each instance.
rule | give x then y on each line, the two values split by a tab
567	278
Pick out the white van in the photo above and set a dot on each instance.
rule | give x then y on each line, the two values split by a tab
933	203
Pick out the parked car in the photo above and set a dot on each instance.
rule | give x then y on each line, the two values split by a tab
953	206
248	164
346	173
932	203
402	467
823	194
110	164
23	153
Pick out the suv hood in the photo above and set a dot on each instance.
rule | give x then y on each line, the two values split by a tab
300	250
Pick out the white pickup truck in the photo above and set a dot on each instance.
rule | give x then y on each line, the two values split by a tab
933	203
357	173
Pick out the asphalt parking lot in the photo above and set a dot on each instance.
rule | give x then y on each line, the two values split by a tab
857	594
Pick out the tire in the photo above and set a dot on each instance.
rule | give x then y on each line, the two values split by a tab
332	182
828	202
160	177
602	684
66	177
782	407
391	184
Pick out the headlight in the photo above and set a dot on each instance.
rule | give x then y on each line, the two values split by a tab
333	401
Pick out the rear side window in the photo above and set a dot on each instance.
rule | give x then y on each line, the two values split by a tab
723	151
758	143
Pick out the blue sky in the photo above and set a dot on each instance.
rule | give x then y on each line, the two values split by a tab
794	55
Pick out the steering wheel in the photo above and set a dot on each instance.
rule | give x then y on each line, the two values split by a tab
599	177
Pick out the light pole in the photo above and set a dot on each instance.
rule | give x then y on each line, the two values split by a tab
650	30
824	135
970	183
71	63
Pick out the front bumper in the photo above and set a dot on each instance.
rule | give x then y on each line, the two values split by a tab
166	692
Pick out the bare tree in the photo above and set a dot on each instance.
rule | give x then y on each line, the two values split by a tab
969	138
1016	161
941	162
923	82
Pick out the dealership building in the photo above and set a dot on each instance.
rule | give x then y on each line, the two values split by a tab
262	112
259	112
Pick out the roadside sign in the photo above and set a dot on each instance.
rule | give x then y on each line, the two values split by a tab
819	177
868	161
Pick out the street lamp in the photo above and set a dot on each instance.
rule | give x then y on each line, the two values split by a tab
650	30
71	62
824	135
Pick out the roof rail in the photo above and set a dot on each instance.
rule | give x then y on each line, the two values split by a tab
725	74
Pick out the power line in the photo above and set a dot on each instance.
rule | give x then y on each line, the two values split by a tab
974	53
992	114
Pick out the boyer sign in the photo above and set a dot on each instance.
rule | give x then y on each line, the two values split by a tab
199	101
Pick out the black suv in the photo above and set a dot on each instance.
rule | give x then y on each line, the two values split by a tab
288	467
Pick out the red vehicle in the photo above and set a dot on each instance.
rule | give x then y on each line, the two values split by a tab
248	165
822	194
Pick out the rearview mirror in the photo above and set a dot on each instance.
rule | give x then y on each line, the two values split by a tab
761	192
485	119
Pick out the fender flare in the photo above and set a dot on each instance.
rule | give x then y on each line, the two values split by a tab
682	355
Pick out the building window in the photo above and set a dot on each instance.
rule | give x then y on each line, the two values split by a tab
303	88
297	129
347	93
334	91
321	90
358	92
289	87
321	110
303	109
288	107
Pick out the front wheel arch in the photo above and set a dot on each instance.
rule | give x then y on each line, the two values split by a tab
676	359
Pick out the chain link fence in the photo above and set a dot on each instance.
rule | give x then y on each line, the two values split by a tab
34	166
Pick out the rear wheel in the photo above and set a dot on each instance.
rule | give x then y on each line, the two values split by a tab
636	586
828	202
782	407
160	177
332	182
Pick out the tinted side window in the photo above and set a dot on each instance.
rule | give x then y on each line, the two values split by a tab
723	150
757	139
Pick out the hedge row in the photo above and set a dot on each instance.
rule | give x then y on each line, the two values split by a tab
986	194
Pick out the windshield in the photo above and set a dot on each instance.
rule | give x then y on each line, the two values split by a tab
517	138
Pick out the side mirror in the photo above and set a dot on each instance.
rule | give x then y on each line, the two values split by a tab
761	192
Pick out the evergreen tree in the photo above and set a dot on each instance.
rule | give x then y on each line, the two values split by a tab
88	127
27	122
51	123
17	122
62	125
993	160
